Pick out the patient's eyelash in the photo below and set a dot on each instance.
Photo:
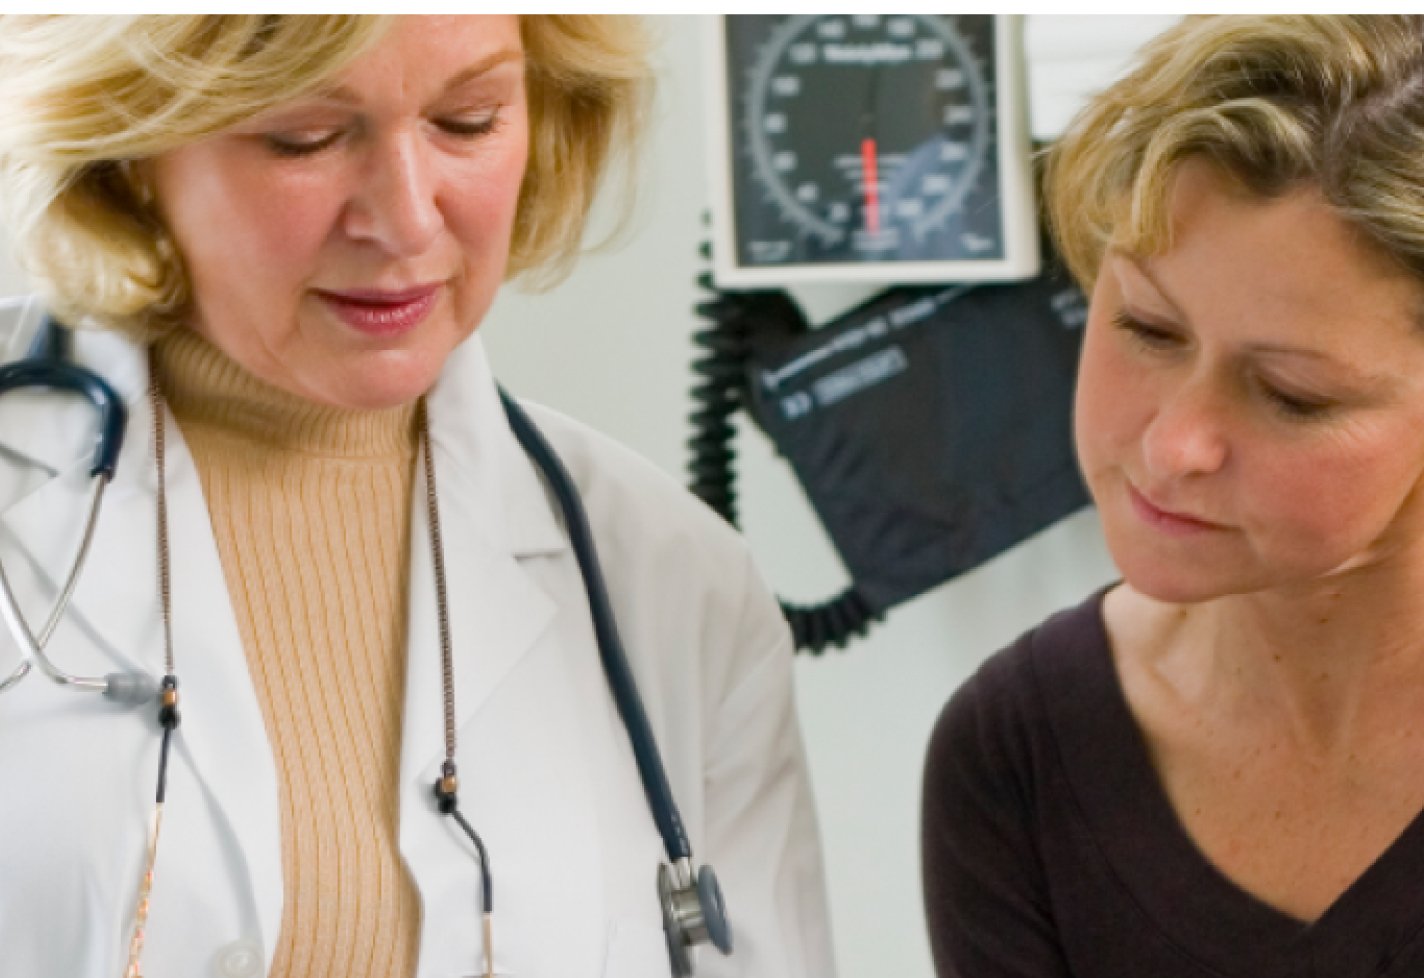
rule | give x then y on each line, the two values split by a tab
1149	336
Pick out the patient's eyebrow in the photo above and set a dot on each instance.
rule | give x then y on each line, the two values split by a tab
1144	269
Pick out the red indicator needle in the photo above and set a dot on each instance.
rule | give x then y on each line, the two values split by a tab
870	177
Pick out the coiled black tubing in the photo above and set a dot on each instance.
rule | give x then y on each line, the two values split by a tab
719	391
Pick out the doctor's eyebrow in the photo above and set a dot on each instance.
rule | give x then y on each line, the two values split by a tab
484	66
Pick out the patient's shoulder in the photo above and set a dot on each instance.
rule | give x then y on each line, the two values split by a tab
1004	723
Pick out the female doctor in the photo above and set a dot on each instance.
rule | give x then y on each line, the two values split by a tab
323	528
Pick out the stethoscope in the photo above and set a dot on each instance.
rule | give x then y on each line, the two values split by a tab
692	906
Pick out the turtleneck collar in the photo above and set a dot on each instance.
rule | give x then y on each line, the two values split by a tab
203	386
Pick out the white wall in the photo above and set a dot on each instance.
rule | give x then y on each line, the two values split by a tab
611	345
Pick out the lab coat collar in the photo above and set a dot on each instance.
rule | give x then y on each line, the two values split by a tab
472	439
494	512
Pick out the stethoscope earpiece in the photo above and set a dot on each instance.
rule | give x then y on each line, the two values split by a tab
693	913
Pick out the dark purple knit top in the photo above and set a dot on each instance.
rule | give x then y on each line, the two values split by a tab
1051	850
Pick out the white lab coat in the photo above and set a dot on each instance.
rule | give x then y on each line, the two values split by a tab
547	774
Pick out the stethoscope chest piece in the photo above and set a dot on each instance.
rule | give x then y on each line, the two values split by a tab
693	913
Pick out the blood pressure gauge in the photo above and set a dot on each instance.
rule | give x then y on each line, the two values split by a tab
887	148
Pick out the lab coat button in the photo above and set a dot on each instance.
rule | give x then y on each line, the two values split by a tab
240	959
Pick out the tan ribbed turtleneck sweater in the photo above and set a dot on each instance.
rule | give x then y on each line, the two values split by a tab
310	506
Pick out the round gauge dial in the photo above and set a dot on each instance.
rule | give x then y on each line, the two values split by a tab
862	138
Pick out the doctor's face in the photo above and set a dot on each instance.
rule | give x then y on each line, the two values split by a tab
341	245
1250	407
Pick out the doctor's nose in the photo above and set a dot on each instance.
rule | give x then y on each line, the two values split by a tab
396	202
1187	435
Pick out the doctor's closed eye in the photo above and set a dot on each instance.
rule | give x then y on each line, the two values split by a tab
308	140
1290	404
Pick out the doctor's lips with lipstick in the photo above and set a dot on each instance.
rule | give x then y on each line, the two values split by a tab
382	313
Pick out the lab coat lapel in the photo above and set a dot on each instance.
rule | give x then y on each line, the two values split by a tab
493	513
116	608
223	735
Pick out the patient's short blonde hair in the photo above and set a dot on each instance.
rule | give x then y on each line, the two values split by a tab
1277	102
87	98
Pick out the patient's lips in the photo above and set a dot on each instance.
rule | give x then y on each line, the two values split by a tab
1165	520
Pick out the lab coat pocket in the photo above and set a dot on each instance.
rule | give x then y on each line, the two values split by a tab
636	949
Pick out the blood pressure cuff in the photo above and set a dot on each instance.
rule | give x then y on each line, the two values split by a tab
930	427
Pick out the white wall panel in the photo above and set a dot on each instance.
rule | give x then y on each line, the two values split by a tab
1071	57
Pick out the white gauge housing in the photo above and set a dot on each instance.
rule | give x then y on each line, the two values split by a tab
796	227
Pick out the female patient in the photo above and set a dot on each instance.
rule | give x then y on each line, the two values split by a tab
1216	767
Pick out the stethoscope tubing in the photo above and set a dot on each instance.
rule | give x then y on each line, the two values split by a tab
32	645
610	646
47	366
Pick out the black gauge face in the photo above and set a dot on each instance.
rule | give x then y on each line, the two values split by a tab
860	138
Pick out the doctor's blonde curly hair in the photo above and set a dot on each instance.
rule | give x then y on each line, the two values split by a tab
1275	101
88	98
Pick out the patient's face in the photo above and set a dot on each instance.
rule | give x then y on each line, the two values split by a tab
1250	410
